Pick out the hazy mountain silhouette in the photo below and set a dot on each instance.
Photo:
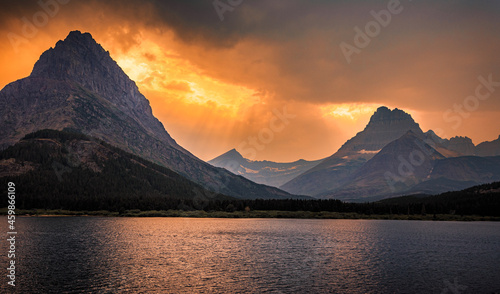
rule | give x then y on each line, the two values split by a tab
488	148
262	172
462	145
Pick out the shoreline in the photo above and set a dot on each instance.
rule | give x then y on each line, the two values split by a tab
250	214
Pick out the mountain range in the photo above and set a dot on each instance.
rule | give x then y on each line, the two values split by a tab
77	85
392	156
384	127
77	91
263	172
412	165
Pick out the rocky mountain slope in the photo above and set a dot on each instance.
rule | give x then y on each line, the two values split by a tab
384	126
371	164
54	170
409	165
76	85
400	165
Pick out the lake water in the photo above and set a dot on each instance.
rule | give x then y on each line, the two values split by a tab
185	255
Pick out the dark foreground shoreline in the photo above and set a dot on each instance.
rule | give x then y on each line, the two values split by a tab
252	214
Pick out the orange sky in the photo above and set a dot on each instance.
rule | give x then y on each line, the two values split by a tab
217	85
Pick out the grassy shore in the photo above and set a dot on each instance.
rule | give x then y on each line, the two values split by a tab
251	214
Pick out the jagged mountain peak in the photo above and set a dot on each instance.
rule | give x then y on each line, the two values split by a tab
78	53
464	139
80	59
233	152
380	112
79	39
76	35
458	144
384	114
231	155
81	62
431	135
385	125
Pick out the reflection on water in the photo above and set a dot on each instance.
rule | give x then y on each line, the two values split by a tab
182	255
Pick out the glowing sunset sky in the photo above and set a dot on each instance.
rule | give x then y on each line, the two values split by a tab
215	83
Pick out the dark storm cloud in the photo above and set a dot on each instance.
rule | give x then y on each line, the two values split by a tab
433	48
198	20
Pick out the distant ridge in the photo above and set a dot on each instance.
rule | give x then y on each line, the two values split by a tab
491	148
262	172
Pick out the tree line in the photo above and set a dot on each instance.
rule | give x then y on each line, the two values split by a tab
127	182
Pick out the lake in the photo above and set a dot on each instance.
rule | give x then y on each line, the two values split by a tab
190	255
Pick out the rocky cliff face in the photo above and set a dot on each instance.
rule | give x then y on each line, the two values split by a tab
80	60
77	82
385	126
462	145
77	86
